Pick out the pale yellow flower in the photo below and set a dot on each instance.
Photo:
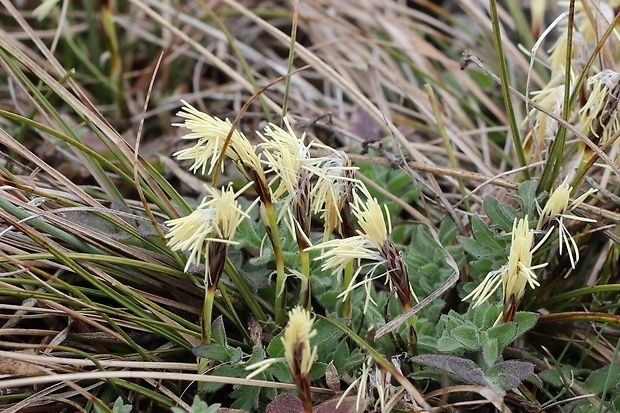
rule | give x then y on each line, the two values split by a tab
362	383
211	134
557	56
557	209
215	220
371	243
286	155
333	190
289	158
298	353
589	23
545	127
599	115
516	274
520	271
337	253
296	342
370	217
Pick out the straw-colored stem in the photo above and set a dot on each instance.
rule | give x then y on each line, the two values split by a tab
446	141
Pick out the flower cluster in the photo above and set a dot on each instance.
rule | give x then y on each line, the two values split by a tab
304	185
214	221
211	134
298	354
558	208
333	193
599	115
597	106
371	243
518	272
289	158
515	274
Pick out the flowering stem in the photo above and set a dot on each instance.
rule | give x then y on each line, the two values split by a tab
302	382
216	254
299	354
413	335
347	230
347	276
306	289
207	314
556	152
274	237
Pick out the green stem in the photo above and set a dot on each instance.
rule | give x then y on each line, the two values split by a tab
274	236
116	69
503	74
306	288
347	277
207	314
556	152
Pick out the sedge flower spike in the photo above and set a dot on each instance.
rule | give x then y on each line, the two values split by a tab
599	116
513	276
298	353
211	134
558	208
371	243
216	138
333	192
214	221
289	158
336	254
545	128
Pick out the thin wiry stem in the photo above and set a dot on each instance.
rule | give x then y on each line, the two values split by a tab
503	73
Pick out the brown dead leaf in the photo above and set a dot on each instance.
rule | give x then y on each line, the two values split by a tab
18	367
